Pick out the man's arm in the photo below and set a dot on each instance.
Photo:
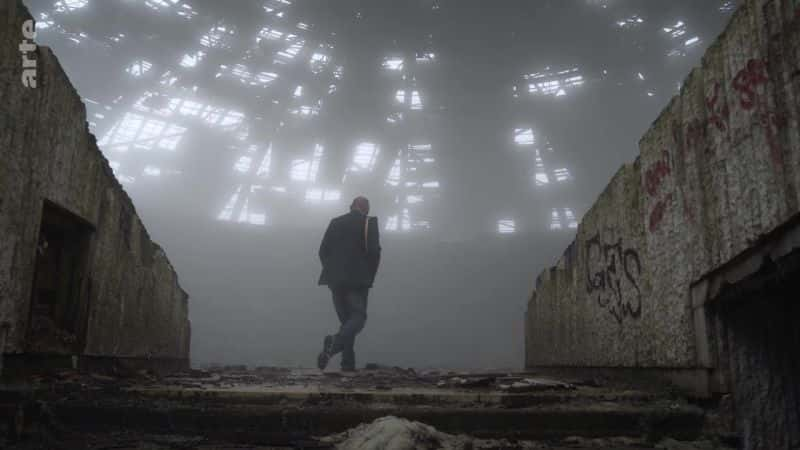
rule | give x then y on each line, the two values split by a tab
324	247
373	246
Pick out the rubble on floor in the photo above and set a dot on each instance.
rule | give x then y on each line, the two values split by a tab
383	407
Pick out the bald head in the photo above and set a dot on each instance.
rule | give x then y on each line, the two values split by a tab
360	204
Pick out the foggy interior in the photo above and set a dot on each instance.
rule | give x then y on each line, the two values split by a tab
481	132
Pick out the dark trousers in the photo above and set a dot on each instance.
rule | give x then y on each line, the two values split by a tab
351	307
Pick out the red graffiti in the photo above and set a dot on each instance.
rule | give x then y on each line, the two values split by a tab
656	173
696	132
719	115
746	83
657	214
688	211
772	124
748	80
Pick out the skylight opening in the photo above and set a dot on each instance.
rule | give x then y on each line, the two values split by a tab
414	199
399	222
395	64
727	6
126	179
317	195
524	137
420	148
427	57
554	83
139	68
69	5
416	101
298	92
572	222
157	5
318	62
305	170
190	60
555	220
151	171
305	111
292	51
677	30
44	22
186	11
541	179
243	164
227	211
562	175
365	158
265	78
222	117
631	22
506	226
217	37
395	173
139	132
269	34
395	118
266	164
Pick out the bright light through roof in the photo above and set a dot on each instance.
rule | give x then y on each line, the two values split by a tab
393	63
524	136
70	5
506	226
240	89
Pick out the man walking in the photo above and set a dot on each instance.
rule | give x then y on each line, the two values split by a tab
350	254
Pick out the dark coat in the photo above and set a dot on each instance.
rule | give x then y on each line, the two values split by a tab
346	259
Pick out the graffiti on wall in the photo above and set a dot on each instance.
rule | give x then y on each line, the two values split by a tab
654	177
751	84
750	92
612	270
747	93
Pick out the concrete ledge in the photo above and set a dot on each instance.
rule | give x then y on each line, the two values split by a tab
252	423
401	397
20	364
691	381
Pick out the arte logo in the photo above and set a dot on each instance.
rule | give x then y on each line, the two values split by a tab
26	48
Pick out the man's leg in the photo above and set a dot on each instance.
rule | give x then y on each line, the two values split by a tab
332	344
356	301
351	307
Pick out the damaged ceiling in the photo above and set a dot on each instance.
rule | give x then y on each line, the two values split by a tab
451	115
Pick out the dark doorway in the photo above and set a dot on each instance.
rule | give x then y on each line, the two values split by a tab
58	300
762	338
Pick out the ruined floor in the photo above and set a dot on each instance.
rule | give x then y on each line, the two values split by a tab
382	407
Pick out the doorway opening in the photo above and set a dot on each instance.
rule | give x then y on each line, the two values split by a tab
59	298
760	338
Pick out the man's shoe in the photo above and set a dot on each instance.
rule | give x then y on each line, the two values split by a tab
326	353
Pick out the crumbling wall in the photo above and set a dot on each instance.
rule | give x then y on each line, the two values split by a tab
135	307
719	168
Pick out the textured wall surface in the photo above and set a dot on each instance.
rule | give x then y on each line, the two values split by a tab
719	168
135	306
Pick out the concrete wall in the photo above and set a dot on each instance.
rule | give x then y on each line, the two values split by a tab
134	305
719	168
